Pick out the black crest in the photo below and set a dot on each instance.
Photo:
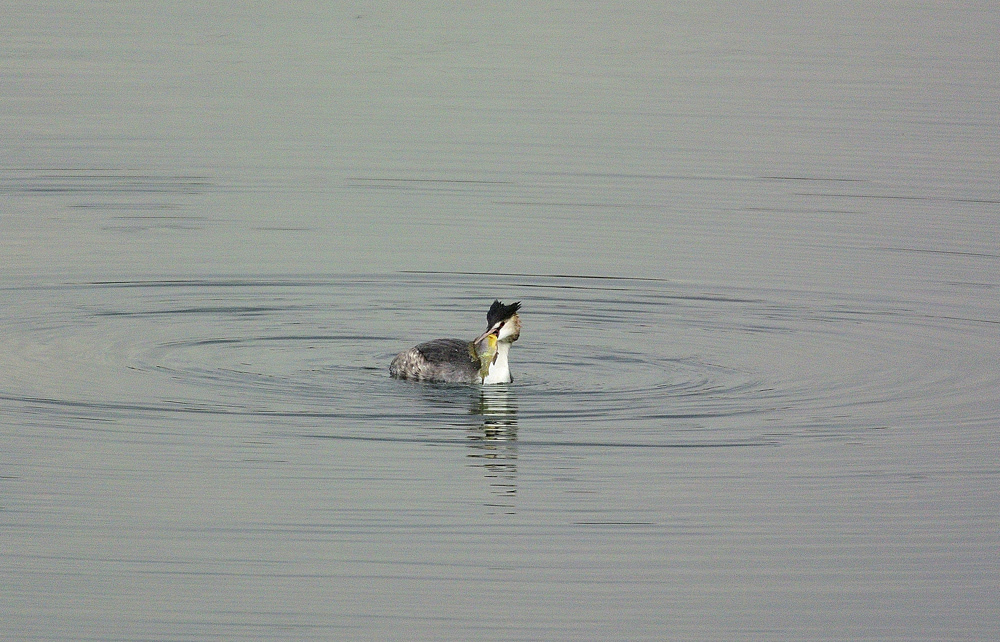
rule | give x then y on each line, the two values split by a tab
500	312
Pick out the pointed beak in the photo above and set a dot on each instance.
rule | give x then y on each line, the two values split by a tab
484	337
481	337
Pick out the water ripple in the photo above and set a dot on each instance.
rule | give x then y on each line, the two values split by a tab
618	362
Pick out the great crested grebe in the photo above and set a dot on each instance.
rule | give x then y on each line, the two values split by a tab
483	360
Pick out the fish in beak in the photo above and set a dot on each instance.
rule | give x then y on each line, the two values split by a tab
486	350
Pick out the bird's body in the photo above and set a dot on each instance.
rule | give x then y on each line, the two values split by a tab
444	360
484	360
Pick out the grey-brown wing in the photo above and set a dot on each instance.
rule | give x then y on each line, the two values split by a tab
447	351
442	360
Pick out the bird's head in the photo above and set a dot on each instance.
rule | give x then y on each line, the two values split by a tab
502	321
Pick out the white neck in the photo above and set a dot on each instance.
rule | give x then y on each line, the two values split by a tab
499	370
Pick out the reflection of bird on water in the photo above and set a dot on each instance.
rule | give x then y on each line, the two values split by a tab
498	408
483	360
494	444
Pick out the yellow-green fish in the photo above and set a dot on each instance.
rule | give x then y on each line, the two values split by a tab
486	352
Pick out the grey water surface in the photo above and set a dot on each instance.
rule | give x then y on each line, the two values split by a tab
756	393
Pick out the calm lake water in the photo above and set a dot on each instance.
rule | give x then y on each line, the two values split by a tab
756	394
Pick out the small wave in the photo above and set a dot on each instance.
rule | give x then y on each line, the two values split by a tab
646	362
